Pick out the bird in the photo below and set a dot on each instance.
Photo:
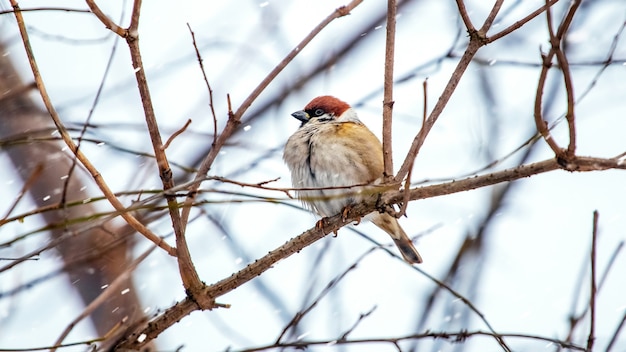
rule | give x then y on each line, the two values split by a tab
332	158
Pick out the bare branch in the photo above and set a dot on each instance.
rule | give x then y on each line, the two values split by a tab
35	174
555	50
331	285
206	81
176	134
407	181
491	17
465	16
452	337
517	25
592	297
618	329
362	316
333	224
47	8
567	75
134	19
108	23
388	90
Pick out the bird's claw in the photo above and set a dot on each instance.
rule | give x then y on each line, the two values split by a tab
321	223
345	213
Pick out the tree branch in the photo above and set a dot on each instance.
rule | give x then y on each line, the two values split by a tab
388	90
108	23
592	297
189	275
178	311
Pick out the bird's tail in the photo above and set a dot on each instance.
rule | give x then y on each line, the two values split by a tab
390	225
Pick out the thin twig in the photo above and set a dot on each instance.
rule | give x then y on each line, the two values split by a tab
556	50
85	343
567	77
425	99
491	17
619	327
592	298
108	23
362	316
388	90
575	319
540	123
517	25
329	287
208	86
407	186
34	175
176	134
453	337
260	185
33	9
134	19
465	16
407	181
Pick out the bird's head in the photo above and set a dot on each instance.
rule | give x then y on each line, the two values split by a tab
326	108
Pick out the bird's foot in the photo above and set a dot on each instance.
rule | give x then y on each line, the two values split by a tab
345	212
321	223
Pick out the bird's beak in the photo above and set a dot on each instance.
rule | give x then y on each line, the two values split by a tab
302	116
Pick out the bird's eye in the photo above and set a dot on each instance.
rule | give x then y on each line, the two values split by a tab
318	112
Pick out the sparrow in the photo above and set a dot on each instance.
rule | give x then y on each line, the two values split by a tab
333	158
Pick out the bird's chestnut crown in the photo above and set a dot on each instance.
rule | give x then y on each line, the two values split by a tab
320	106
